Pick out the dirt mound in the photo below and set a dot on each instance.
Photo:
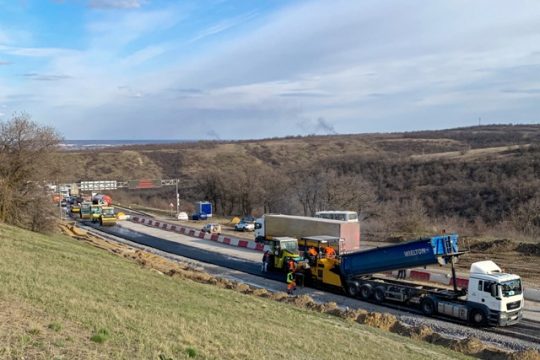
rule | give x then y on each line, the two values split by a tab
495	245
243	288
261	293
303	301
279	296
470	345
421	332
349	314
529	249
525	355
378	320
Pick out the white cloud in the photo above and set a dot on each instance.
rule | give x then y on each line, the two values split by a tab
371	65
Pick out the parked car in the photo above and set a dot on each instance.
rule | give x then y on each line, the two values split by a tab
244	226
248	219
212	228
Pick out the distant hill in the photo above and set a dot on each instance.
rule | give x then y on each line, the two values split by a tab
480	173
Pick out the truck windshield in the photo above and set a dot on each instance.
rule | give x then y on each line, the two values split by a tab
511	288
290	246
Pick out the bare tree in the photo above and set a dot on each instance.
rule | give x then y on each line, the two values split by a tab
27	159
526	218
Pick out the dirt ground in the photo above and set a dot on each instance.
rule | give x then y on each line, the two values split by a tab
517	258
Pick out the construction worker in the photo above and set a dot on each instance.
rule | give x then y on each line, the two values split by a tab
312	255
291	265
265	261
330	252
291	283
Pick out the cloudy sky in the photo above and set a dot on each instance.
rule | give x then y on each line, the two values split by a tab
204	69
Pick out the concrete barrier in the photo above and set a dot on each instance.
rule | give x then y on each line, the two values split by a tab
226	240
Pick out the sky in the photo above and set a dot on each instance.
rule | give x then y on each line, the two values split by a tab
245	69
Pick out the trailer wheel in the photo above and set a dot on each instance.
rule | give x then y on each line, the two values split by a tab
352	290
365	292
427	306
378	294
478	318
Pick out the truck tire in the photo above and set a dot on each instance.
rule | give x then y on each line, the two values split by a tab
427	306
378	294
365	292
353	290
478	317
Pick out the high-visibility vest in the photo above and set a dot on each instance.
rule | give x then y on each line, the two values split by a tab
290	278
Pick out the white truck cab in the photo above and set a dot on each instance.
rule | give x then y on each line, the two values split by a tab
494	297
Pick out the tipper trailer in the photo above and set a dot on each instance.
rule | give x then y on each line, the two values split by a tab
492	297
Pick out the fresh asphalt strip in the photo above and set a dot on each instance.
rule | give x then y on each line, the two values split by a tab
176	248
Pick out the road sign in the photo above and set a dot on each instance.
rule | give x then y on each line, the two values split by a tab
98	185
171	205
144	184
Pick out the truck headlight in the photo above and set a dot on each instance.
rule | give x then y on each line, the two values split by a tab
503	316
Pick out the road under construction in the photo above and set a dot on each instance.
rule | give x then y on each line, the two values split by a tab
244	264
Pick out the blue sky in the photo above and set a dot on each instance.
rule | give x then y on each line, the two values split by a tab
164	69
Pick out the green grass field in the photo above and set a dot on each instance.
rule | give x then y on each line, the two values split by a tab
63	299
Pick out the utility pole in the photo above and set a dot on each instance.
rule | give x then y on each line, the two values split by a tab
177	200
59	199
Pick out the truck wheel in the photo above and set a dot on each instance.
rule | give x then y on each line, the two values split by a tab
352	290
478	317
378	294
365	292
427	306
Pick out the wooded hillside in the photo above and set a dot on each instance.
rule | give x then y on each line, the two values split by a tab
479	177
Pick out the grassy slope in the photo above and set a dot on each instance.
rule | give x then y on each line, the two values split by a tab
57	293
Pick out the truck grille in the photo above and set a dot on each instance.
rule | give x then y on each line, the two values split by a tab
513	305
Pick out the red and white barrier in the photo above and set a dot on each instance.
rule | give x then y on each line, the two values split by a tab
227	240
433	276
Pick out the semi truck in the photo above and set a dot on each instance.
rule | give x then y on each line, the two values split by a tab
271	226
492	298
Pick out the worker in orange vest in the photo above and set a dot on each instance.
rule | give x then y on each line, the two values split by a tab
330	252
312	255
291	265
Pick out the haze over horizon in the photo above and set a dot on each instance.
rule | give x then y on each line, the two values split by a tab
217	69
